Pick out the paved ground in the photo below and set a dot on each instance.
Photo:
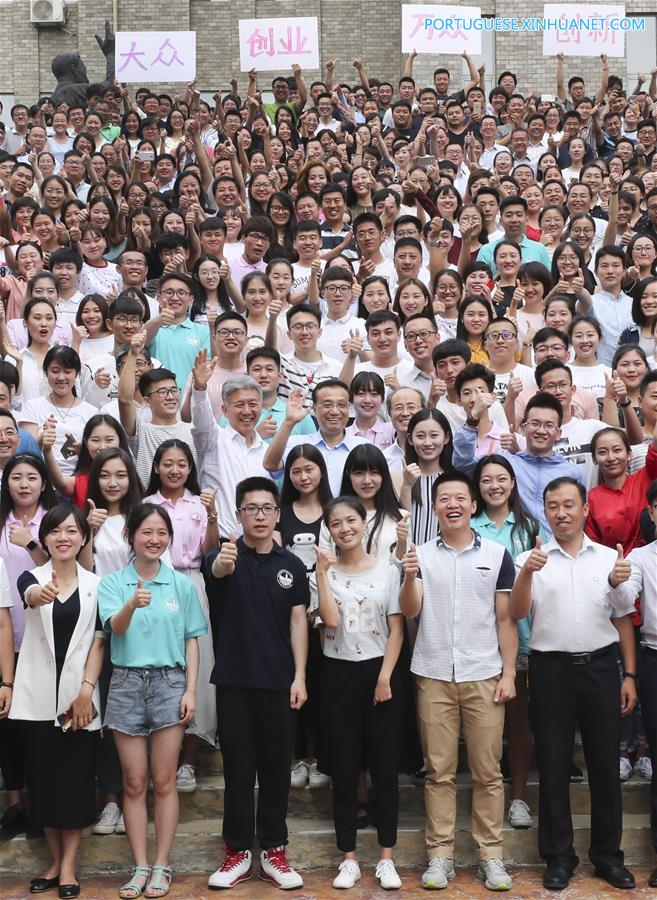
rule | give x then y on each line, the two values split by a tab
527	884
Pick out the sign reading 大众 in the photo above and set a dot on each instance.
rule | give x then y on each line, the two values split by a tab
438	29
275	45
588	30
155	56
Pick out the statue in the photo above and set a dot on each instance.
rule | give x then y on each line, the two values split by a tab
71	73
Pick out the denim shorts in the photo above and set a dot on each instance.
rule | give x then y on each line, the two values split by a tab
141	701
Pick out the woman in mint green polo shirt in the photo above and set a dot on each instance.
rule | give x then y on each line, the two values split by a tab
502	518
155	618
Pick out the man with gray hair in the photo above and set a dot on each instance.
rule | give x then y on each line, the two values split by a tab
227	455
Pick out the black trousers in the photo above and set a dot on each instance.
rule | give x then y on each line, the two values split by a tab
352	726
12	760
255	736
562	695
648	690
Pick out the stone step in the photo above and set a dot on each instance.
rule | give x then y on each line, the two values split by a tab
198	846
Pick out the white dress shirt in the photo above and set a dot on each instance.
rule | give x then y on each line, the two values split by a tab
643	581
614	315
572	601
334	457
335	331
225	459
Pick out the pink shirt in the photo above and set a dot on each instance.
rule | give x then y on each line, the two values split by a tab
18	560
584	405
382	434
190	521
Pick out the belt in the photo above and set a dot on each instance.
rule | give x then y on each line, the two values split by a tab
577	659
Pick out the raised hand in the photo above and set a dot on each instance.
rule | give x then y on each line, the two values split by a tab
325	559
96	517
228	555
268	427
410	563
202	371
403	529
537	558
352	345
207	498
622	568
509	441
141	597
103	379
49	591
49	433
411	473
296	409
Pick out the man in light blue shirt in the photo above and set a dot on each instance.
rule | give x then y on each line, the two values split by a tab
513	220
611	306
177	344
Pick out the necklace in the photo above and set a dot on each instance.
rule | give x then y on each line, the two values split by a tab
62	418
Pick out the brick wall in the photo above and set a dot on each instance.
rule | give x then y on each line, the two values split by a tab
349	28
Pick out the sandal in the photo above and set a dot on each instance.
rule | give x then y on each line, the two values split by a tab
136	889
160	882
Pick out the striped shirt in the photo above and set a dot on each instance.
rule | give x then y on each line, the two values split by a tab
305	376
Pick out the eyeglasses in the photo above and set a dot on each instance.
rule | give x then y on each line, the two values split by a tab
163	393
127	320
548	427
8	433
169	293
298	327
337	289
328	405
418	336
497	336
556	386
253	510
231	332
447	288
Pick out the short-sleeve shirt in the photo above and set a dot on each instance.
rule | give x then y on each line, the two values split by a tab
365	601
253	647
178	345
157	633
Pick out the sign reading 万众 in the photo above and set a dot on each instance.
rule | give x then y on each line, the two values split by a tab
275	45
438	29
588	30
155	56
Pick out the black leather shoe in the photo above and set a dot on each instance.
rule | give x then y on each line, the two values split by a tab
652	881
616	876
68	890
40	885
14	821
556	878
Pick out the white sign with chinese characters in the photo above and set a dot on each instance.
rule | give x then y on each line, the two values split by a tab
435	29
589	30
155	56
275	45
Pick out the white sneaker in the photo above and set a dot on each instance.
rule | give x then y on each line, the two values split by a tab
494	875
643	767
348	874
299	775
387	875
120	826
519	815
186	779
625	768
236	867
107	820
439	874
274	867
317	779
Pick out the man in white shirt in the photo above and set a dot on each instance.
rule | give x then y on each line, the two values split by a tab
464	663
580	602
488	128
449	359
227	455
420	338
66	265
402	405
307	243
369	236
338	326
611	306
257	235
307	366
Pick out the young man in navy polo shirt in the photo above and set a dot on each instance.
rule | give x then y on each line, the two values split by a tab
260	672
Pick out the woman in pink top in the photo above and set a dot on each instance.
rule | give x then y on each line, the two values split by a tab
367	393
174	485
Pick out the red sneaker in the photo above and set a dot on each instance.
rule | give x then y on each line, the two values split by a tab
274	867
236	867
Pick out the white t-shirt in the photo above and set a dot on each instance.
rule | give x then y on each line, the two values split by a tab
70	426
94	280
592	378
524	373
335	331
111	550
574	444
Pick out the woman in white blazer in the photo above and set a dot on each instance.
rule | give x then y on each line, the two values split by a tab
55	683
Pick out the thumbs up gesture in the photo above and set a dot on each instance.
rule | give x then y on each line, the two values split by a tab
141	597
410	563
403	529
352	345
48	592
622	569
537	558
228	555
49	433
95	517
267	428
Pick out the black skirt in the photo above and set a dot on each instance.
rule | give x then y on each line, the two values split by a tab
60	770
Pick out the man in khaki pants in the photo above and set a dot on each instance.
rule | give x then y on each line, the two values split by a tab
464	662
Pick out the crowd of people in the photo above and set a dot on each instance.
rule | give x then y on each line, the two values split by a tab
328	435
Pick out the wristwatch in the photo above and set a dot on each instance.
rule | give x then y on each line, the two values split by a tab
9	684
471	422
32	545
629	675
625	403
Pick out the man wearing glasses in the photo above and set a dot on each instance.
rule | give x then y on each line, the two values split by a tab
261	595
534	467
178	344
340	329
420	339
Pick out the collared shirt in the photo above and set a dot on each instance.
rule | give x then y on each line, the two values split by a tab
381	434
457	630
17	560
643	581
277	411
240	267
178	345
409	376
487	157
190	521
335	331
157	633
225	459
394	456
614	315
334	457
530	251
572	601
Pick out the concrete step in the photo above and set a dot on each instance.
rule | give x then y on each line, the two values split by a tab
198	846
